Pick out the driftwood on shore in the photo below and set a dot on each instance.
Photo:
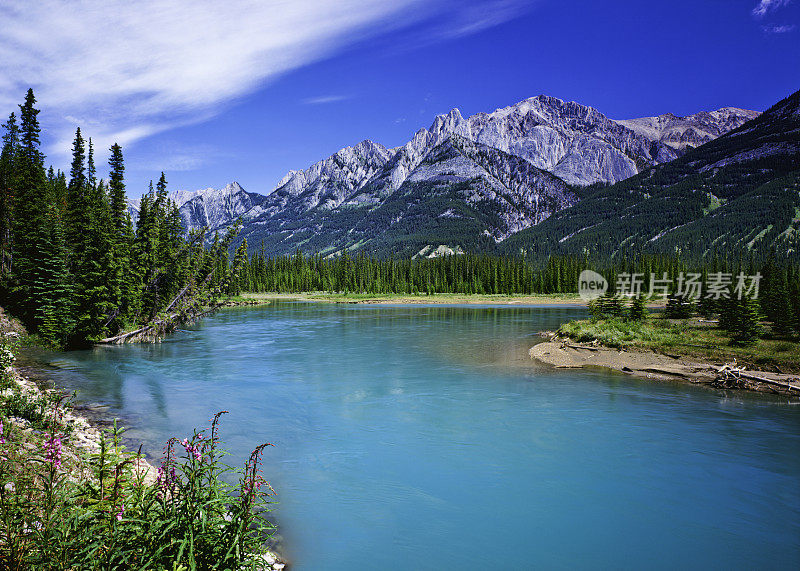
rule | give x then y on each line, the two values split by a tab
730	374
562	353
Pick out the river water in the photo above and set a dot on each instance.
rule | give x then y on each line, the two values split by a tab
422	437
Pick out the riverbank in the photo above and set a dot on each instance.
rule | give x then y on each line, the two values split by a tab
436	298
82	425
693	350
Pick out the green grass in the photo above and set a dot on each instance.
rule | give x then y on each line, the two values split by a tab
688	338
417	298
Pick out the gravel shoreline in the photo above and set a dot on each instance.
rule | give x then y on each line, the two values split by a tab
84	433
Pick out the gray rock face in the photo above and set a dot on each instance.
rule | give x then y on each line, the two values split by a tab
692	130
327	183
219	208
210	207
502	187
513	165
576	143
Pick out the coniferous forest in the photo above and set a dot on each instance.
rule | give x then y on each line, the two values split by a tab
75	267
778	295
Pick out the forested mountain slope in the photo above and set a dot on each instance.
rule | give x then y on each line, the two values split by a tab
737	193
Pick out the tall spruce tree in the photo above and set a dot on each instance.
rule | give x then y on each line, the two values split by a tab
30	201
77	202
116	189
7	156
124	281
91	171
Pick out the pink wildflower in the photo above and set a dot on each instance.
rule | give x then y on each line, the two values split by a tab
192	450
52	449
2	439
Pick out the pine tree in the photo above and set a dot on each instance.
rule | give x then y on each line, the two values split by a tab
729	311
238	269
77	202
91	171
678	307
638	309
782	312
7	155
746	329
116	187
30	202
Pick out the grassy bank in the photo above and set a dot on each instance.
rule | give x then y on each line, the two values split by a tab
693	338
437	298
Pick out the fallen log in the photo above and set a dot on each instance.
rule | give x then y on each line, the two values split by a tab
155	326
128	334
769	381
589	347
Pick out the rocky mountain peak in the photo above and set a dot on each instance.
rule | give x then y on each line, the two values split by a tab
693	130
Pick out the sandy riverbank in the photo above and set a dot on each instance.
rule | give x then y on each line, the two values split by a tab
563	353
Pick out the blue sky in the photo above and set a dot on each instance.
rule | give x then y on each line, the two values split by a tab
212	92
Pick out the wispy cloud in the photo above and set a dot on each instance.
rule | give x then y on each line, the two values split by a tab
323	99
778	29
172	155
471	19
765	6
127	70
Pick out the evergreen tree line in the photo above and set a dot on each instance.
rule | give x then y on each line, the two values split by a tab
778	287
72	265
777	298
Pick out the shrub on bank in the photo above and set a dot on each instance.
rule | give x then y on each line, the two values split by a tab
621	333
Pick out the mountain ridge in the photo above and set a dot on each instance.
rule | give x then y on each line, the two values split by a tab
336	198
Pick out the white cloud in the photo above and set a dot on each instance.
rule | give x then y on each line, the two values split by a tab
765	6
323	99
126	70
778	29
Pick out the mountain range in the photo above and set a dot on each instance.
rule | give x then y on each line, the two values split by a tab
735	194
501	181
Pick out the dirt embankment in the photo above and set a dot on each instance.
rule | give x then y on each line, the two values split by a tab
563	353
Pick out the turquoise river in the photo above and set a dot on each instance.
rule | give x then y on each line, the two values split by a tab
423	437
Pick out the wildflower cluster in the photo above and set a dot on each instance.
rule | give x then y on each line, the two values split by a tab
193	451
166	477
6	361
112	519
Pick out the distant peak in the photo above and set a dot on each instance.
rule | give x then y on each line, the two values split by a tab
538	102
